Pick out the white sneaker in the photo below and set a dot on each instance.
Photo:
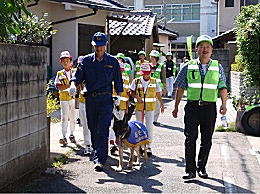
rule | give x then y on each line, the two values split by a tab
88	150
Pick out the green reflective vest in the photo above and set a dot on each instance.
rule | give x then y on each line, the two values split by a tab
207	90
157	74
137	68
127	69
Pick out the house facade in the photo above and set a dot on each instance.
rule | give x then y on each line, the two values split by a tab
227	12
75	22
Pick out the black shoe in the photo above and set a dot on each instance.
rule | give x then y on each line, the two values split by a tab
113	150
189	175
78	121
98	167
202	174
72	139
149	152
157	124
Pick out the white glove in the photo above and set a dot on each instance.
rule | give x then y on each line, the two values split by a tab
72	90
117	101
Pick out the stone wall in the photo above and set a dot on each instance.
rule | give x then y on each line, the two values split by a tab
24	133
237	84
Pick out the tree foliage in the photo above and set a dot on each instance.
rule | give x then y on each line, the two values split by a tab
18	25
9	17
248	38
34	29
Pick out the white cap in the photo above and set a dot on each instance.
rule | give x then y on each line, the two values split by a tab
65	54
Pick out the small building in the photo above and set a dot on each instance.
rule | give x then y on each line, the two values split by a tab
138	30
227	12
75	21
134	31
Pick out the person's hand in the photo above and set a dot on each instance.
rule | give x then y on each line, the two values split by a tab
139	99
126	111
175	112
223	109
162	108
117	101
72	90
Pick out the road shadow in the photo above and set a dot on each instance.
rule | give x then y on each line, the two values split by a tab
226	188
171	127
140	175
52	184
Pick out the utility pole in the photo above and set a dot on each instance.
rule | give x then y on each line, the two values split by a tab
164	13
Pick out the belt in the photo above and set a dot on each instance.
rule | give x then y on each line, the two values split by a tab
94	94
200	103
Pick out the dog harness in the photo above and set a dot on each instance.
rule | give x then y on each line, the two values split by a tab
138	134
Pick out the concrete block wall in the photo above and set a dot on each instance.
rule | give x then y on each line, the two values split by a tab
24	133
237	84
222	55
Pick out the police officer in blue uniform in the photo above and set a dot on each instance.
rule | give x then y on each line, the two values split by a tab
99	70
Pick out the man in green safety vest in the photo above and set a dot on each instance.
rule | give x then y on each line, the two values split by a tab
141	60
204	80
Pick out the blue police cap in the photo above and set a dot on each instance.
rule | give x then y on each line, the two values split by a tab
99	39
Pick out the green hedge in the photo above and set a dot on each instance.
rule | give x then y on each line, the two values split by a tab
248	38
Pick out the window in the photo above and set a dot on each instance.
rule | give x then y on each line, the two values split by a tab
187	12
252	2
157	9
229	3
178	12
195	12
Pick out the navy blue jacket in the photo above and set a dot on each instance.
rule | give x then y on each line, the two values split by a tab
99	75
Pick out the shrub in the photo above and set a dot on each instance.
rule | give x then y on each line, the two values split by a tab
248	38
9	21
34	29
18	25
237	67
52	104
231	128
241	102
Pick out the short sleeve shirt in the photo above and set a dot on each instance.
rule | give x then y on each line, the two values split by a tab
181	79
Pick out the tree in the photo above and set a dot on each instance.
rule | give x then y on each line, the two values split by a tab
248	38
9	17
18	25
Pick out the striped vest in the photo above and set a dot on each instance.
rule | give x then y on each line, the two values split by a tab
149	97
206	91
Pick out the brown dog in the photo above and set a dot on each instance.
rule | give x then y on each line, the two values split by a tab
131	135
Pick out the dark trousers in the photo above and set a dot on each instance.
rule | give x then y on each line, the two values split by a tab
99	115
205	117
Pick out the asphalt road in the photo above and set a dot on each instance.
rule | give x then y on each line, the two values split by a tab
232	167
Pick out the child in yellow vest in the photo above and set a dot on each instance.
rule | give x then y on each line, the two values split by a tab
83	121
123	109
82	115
145	90
67	102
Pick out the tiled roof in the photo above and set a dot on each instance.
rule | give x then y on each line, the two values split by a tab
99	4
137	23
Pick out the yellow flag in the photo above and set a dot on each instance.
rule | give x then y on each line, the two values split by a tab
189	45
